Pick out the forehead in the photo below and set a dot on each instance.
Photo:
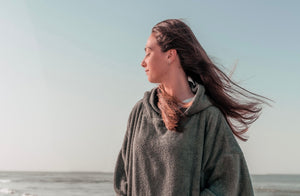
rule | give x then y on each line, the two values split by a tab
151	42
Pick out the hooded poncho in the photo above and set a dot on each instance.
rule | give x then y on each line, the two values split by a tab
205	159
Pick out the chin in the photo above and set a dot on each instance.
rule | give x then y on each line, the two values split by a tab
152	80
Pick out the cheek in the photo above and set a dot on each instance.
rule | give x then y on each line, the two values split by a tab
158	60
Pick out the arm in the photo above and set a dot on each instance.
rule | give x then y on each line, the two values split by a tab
120	177
224	170
120	173
123	166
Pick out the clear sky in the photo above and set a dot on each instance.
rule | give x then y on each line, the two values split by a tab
70	74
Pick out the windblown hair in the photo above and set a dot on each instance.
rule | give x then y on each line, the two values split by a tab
171	109
240	106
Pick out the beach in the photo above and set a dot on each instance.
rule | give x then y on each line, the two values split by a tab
97	183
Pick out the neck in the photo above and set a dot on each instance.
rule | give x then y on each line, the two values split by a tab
177	86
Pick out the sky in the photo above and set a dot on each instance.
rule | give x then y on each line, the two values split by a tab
70	74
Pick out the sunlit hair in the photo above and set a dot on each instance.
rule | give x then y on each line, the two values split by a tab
172	109
240	107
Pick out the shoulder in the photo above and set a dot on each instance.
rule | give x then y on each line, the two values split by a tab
218	132
216	122
138	105
212	110
137	108
133	117
215	119
213	113
209	117
144	103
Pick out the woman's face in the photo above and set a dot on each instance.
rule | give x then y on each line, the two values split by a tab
155	61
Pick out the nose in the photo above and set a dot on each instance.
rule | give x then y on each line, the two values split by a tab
143	63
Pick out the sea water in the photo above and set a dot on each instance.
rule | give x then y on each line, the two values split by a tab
96	183
277	185
56	184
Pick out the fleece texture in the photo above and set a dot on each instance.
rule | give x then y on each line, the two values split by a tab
205	159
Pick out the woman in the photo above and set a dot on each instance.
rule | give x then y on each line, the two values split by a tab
179	138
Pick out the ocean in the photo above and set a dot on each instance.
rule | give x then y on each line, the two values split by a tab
56	184
101	184
276	184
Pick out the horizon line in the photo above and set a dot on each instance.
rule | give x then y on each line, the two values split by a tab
110	172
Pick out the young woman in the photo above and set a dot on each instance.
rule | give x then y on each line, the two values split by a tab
180	136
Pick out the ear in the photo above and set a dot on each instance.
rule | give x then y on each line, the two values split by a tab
172	53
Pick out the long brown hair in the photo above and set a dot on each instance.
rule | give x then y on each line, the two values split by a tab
240	106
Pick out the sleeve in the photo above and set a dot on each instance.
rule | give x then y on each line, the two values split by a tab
120	176
224	170
122	164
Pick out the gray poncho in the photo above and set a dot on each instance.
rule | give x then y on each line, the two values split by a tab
204	159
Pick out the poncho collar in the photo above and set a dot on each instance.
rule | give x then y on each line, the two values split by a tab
200	102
